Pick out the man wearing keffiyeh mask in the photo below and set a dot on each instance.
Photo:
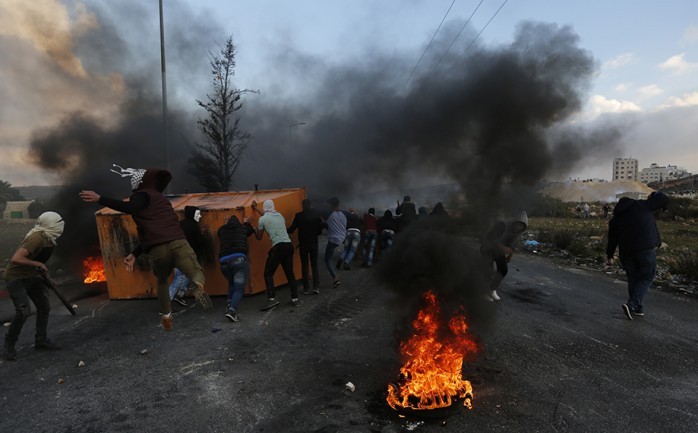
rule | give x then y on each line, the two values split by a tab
159	232
24	282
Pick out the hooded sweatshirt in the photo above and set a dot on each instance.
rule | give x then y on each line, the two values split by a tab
155	219
633	227
503	233
233	237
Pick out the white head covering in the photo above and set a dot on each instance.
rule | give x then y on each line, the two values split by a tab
49	224
136	174
269	207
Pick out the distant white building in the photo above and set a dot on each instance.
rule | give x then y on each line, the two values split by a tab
624	169
657	173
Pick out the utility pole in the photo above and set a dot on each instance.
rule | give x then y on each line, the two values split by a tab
164	90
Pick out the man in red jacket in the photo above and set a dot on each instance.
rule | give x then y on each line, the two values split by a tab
160	234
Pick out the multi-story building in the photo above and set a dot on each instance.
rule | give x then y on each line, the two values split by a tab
624	168
657	173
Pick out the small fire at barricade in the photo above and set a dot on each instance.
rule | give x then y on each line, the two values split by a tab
93	270
431	375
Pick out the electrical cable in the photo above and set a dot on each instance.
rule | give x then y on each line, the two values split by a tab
428	45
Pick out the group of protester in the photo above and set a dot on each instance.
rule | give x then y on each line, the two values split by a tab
168	242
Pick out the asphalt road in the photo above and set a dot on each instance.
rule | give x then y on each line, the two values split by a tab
558	355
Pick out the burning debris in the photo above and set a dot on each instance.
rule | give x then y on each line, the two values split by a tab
93	270
431	376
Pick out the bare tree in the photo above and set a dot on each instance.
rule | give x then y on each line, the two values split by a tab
214	161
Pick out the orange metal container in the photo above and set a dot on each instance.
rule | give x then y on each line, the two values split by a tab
118	237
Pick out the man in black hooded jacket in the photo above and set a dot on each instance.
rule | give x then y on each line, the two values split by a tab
634	231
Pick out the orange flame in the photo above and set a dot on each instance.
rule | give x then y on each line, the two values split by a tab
93	270
431	376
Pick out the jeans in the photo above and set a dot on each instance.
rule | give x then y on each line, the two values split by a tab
309	256
179	285
369	246
236	271
352	244
22	291
640	268
280	254
329	253
386	240
165	257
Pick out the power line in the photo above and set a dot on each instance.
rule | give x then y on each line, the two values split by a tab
458	35
429	45
478	35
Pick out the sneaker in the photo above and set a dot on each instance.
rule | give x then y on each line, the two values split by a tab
180	300
46	345
336	283
347	267
306	291
10	352
494	296
316	290
294	302
202	297
638	312
270	304
627	312
232	315
166	321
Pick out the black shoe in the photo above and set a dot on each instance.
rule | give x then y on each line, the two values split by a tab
10	352
336	283
180	300
638	312
316	290
339	264
46	345
270	304
294	303
347	267
306	291
627	312
232	315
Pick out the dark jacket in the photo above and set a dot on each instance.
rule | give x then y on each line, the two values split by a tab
633	227
309	224
387	222
155	219
502	233
353	221
192	231
233	237
407	212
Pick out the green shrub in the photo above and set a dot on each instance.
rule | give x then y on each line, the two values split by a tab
685	266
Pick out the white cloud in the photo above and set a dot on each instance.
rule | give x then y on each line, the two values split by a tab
649	91
599	104
621	87
619	61
678	64
687	100
690	35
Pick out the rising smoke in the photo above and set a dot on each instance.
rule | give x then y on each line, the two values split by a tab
490	120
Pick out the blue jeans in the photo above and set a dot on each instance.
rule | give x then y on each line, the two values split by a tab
352	244
179	285
329	253
640	268
369	246
235	271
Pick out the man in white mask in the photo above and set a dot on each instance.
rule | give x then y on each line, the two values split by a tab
198	242
24	282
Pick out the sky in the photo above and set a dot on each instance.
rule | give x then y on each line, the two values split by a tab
73	71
